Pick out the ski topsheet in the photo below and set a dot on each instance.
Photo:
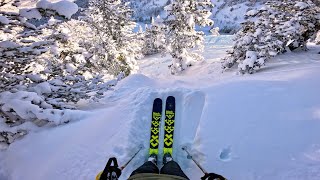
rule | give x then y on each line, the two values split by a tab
169	125
155	126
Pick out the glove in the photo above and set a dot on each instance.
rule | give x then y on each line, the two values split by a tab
212	176
110	172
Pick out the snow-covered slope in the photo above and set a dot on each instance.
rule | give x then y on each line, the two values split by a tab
262	126
227	14
144	9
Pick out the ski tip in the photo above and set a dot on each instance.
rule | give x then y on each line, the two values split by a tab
170	97
141	146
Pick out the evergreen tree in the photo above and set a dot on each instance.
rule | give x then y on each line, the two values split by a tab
182	38
278	27
154	39
113	30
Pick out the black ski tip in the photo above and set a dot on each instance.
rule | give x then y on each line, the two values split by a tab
157	100
170	98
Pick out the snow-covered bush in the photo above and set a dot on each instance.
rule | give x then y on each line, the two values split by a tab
277	27
154	37
182	38
46	70
112	28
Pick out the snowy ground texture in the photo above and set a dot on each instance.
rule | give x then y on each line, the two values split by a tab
253	127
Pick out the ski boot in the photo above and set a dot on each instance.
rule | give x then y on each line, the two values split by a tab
153	158
167	158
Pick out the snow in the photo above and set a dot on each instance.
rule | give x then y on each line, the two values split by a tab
228	16
4	20
301	5
30	13
30	105
261	126
251	57
252	12
64	7
8	45
42	88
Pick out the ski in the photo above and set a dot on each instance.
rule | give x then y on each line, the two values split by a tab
169	125
155	126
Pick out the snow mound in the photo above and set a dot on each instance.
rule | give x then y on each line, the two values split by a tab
29	105
64	8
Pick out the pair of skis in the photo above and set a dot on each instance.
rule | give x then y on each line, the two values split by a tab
168	126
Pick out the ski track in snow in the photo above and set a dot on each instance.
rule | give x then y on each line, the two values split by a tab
251	127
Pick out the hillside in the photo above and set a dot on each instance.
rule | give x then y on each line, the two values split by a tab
227	14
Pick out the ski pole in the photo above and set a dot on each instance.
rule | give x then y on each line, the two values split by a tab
111	172
190	157
209	176
126	164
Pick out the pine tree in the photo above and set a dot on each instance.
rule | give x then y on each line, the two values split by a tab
154	39
278	27
182	38
114	32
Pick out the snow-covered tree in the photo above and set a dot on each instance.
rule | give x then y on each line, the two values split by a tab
182	38
317	40
113	31
277	27
154	37
144	10
46	70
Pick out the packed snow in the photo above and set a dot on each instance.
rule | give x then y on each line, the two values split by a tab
245	127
